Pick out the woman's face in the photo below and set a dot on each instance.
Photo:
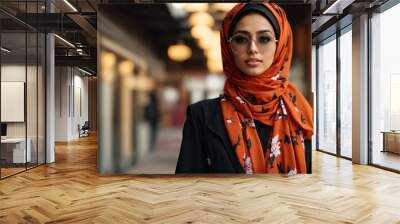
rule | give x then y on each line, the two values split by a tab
253	44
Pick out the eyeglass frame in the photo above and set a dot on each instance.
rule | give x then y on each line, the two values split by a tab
252	40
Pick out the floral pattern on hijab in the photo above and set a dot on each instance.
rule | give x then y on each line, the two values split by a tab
269	98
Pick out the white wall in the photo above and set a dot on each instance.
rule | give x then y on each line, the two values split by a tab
62	81
80	100
71	93
15	73
12	73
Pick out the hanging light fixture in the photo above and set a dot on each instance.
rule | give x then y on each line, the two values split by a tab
179	52
65	41
202	18
84	71
126	68
200	31
70	5
223	6
196	7
5	50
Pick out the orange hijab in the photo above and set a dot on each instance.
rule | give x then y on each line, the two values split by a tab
269	98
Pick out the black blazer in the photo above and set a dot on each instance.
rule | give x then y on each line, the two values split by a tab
206	147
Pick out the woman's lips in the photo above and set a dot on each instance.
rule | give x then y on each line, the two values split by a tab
253	62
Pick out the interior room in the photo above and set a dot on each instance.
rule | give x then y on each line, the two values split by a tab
97	98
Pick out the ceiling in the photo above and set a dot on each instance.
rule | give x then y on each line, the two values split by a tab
80	27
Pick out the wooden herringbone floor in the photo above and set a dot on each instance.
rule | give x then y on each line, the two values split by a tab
70	191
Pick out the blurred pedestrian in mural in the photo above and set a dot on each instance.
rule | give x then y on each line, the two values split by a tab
152	116
261	122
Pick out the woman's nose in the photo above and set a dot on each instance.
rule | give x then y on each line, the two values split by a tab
253	47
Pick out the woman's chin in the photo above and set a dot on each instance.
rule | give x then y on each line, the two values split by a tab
253	72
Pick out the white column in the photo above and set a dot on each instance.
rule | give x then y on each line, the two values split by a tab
50	99
50	92
360	90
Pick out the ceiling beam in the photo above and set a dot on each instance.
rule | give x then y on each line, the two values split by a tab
86	26
84	61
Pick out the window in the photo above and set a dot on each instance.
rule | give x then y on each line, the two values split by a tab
385	88
327	96
346	93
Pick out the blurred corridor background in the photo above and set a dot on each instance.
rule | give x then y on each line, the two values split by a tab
154	60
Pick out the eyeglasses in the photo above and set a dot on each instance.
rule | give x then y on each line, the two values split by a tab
240	43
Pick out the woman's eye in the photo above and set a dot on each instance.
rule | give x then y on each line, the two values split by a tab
264	39
241	40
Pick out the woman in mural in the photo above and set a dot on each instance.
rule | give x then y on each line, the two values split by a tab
262	122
